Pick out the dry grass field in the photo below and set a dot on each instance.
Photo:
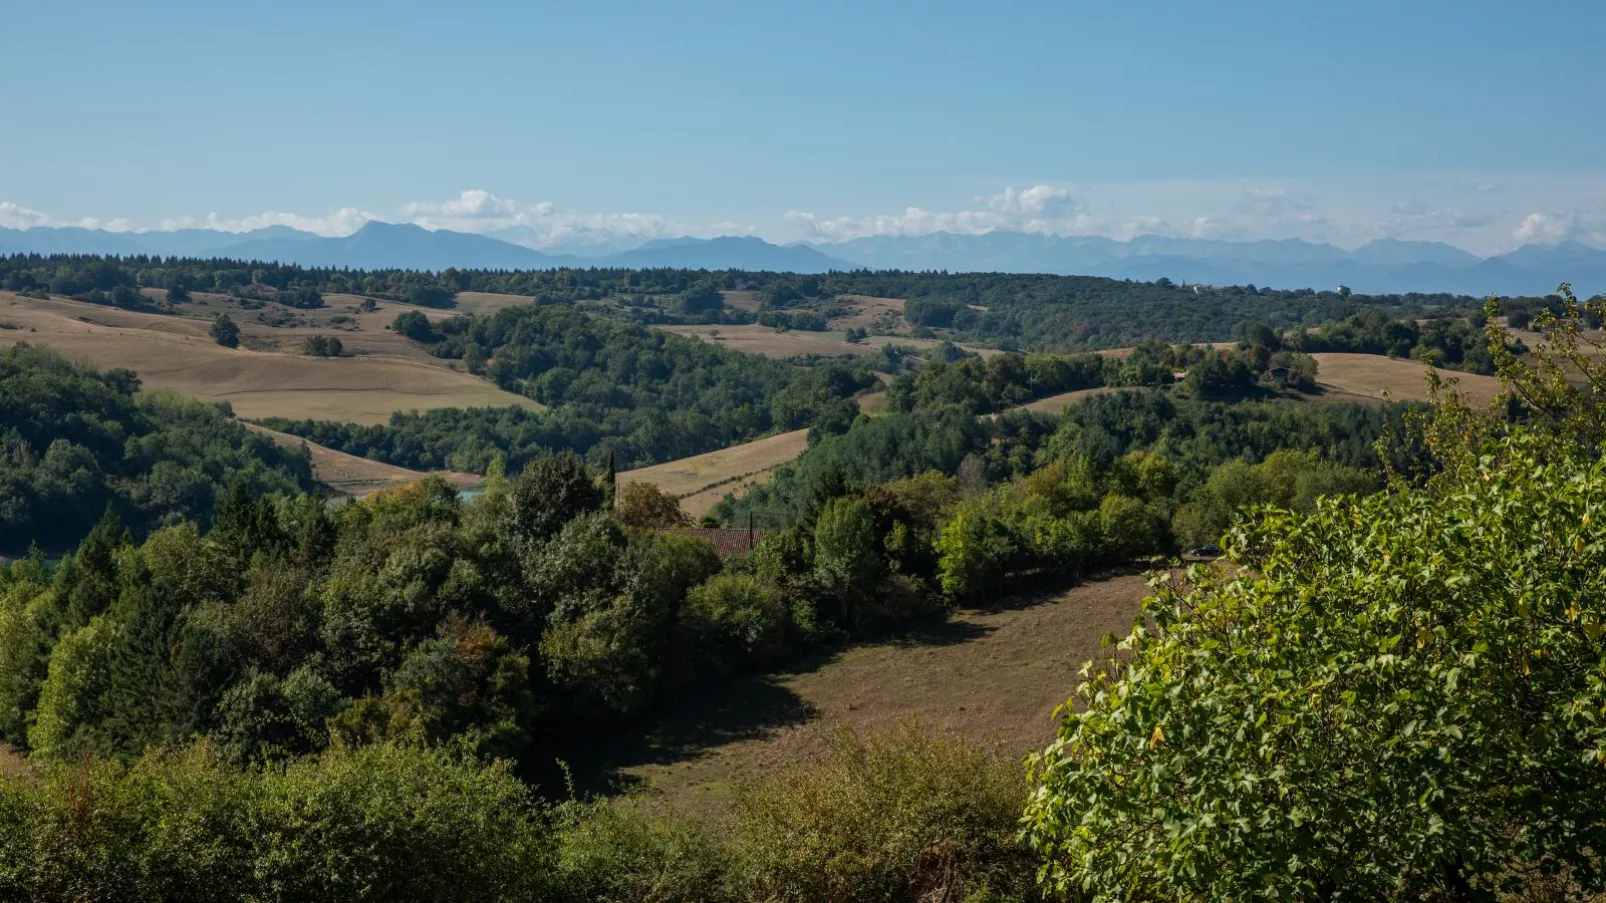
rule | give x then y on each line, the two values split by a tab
486	302
701	481
870	311
762	340
1370	375
994	676
1056	404
351	475
386	373
743	300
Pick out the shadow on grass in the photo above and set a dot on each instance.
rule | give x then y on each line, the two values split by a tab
744	708
1032	591
750	708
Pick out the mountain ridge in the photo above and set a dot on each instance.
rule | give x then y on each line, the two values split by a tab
1384	265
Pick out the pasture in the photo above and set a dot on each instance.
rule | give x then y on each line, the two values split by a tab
1369	376
769	342
267	376
351	475
701	481
992	675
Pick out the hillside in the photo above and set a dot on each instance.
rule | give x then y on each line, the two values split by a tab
386	373
1371	375
351	475
993	675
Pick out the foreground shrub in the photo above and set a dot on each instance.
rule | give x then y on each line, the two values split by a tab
911	817
380	823
624	850
1402	697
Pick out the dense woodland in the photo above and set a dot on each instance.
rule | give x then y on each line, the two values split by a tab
639	394
75	443
252	694
1030	312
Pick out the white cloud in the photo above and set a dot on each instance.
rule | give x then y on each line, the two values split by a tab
16	216
344	221
1040	208
1037	202
543	225
1553	227
473	204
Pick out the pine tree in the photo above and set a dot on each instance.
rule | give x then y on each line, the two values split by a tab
87	580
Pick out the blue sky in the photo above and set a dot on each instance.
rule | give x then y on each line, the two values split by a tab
1478	123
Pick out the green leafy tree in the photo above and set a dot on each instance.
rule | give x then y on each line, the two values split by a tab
225	331
1397	698
414	325
845	560
551	491
323	346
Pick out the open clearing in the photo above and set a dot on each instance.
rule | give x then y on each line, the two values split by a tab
994	676
871	312
701	481
1056	404
351	475
1369	375
486	302
175	352
11	762
763	340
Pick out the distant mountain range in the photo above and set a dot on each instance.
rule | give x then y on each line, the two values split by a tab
385	245
1381	266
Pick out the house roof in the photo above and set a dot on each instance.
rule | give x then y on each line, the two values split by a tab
726	542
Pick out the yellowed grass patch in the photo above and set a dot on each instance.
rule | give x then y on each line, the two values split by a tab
176	352
1372	375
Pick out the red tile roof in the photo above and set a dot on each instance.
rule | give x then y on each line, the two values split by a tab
726	542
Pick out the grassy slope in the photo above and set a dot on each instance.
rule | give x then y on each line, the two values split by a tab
995	676
1370	375
266	377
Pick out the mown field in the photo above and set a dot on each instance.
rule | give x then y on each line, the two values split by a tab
267	376
764	340
1369	376
351	475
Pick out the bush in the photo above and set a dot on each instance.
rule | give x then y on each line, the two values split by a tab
225	331
378	823
645	505
738	621
415	326
1367	710
622	850
911	817
323	346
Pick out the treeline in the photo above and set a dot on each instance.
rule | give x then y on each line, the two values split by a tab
1209	450
1033	312
1003	381
1454	343
75	442
642	394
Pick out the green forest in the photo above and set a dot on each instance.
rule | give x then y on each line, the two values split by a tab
1028	312
639	394
231	689
76	443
